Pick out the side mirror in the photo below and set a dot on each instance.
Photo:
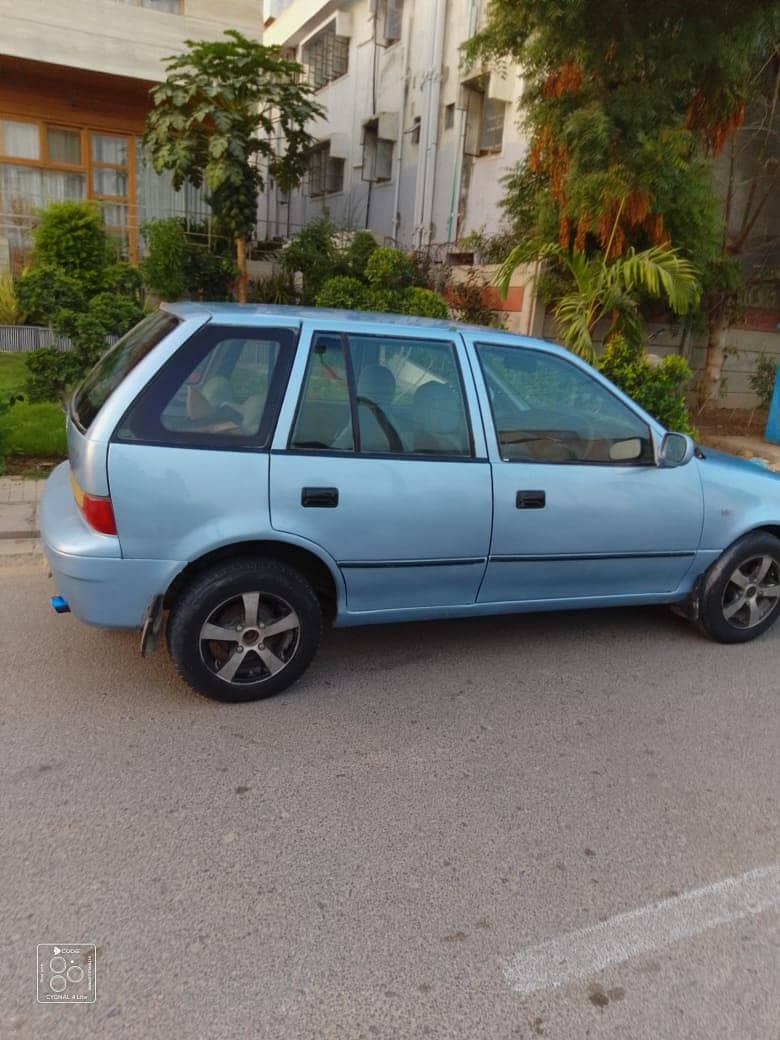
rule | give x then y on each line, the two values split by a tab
677	449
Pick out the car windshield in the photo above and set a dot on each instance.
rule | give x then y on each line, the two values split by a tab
117	363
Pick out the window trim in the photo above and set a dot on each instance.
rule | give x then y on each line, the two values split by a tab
607	388
85	168
171	371
356	453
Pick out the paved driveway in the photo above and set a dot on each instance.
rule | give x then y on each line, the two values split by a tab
560	826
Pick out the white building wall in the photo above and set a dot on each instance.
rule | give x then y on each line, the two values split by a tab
118	37
396	79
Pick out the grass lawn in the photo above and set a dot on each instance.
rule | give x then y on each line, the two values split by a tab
30	430
12	372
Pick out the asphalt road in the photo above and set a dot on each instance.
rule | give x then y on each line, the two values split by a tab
369	854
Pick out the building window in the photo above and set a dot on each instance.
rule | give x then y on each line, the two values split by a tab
325	56
41	163
449	117
390	17
491	136
19	140
326	173
377	154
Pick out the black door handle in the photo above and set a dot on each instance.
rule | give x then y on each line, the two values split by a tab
320	497
531	500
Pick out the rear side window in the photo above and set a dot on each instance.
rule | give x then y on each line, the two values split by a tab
117	363
222	388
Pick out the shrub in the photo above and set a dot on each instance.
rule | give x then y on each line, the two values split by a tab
163	266
425	303
7	401
208	276
384	301
343	291
176	267
10	311
275	288
360	250
467	299
124	279
762	380
313	252
71	236
49	374
116	314
389	268
659	389
44	291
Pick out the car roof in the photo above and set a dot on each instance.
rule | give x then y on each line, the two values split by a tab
258	313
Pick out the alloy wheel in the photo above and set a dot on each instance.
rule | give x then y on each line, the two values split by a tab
249	638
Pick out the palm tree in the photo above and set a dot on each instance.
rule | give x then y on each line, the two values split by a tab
609	288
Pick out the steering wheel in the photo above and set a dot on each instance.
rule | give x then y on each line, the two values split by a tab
393	439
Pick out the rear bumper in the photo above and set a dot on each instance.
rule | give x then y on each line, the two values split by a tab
101	587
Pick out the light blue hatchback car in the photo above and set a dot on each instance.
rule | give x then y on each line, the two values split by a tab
251	472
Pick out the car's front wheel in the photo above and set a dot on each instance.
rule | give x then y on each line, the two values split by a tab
244	629
741	593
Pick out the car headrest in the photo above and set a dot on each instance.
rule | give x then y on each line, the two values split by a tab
377	383
436	408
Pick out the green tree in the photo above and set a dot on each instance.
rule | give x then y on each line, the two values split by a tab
219	119
625	103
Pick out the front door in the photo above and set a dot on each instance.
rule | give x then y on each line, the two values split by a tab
378	465
581	509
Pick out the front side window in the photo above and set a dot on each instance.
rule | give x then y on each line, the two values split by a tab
546	409
221	389
383	395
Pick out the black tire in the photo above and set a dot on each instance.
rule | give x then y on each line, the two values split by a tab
733	609
220	600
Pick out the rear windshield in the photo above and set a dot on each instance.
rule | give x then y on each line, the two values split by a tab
117	363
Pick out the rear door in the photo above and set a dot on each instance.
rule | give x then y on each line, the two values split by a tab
379	458
188	462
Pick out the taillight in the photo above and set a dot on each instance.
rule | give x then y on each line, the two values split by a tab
96	509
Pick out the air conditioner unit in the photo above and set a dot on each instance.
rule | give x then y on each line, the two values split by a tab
340	146
343	23
501	85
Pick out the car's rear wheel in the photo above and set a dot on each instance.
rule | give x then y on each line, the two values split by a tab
741	593
244	629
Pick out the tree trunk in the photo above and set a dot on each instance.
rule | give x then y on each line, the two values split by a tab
241	263
713	361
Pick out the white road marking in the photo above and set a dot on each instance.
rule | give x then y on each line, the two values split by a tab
587	951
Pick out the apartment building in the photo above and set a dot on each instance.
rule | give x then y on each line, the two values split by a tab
75	78
414	142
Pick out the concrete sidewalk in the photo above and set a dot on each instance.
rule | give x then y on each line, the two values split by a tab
19	500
